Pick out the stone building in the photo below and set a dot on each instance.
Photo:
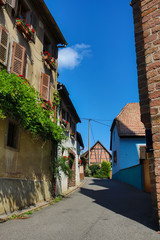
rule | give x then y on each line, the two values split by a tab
147	37
29	39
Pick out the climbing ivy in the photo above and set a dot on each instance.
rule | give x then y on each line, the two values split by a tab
56	99
21	102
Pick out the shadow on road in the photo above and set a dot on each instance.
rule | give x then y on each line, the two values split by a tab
122	199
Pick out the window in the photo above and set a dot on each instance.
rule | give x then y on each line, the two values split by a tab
63	114
73	127
24	12
4	41
142	152
47	46
19	60
12	135
67	117
45	86
115	157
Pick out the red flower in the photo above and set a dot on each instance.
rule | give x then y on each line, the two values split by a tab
73	133
27	25
33	30
21	76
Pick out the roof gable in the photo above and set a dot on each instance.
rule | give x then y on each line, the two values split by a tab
97	145
128	121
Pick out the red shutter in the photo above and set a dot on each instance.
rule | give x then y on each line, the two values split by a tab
18	59
45	86
4	40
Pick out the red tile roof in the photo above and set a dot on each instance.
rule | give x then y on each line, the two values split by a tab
128	121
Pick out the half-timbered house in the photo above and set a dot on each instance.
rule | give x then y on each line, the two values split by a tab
98	154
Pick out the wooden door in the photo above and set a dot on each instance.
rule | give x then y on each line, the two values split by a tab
146	176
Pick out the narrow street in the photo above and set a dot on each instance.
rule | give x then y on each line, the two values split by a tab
100	210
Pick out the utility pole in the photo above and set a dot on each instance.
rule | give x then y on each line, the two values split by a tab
89	141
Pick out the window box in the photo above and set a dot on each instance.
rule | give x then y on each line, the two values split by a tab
72	136
50	60
64	123
2	2
47	105
25	29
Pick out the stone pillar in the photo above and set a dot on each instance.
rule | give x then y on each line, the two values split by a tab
147	39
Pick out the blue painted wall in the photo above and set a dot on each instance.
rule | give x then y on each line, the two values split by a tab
129	151
115	147
133	176
127	168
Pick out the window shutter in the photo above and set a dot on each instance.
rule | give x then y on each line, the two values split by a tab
24	65
4	41
18	59
45	86
11	3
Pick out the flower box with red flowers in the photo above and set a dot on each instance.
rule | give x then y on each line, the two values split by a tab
2	2
50	60
79	162
73	136
64	123
47	105
25	29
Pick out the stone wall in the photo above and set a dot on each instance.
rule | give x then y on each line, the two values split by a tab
25	173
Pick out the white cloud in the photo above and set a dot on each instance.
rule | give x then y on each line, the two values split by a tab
70	57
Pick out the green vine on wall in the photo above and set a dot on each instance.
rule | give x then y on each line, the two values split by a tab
21	102
56	99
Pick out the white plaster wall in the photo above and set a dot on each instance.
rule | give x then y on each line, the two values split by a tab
69	144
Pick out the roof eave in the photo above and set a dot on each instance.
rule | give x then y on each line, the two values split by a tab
49	20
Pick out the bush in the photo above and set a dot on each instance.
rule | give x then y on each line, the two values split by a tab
94	168
87	171
106	168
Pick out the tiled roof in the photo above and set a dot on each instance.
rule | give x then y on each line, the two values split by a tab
129	122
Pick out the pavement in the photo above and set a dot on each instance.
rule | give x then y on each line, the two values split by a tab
99	210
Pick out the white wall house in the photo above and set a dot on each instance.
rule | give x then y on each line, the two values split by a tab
69	118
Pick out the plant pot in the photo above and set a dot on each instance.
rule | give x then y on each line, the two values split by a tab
46	58
72	137
22	29
2	2
52	66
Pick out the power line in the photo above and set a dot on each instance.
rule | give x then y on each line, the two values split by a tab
96	121
92	134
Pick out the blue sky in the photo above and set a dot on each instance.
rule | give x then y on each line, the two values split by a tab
98	67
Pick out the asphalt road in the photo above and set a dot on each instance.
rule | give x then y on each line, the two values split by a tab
100	210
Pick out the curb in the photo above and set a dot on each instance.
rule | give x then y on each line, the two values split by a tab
73	190
7	218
